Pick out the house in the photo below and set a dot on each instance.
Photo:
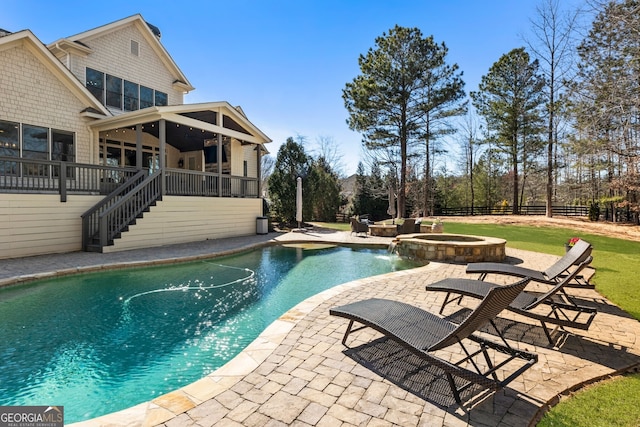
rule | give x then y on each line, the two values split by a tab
98	151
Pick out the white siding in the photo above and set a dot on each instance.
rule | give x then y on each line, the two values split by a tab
191	219
30	94
35	224
251	157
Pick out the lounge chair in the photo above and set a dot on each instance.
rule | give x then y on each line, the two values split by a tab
359	227
365	218
562	309
552	275
423	333
407	227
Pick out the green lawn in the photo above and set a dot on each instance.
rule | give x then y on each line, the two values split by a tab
617	264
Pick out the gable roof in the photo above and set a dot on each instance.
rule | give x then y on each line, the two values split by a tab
29	41
151	34
179	114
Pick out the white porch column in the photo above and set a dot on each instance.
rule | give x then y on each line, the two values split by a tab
219	159
162	135
139	146
259	168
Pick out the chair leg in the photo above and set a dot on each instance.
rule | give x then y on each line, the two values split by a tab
347	332
447	301
454	388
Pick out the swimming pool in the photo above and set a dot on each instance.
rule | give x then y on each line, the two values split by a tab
101	342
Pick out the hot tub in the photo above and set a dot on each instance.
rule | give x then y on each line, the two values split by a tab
449	247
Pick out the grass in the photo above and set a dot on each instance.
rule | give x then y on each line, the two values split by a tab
613	403
617	263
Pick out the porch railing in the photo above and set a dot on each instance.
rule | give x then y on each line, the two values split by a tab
193	183
49	176
21	175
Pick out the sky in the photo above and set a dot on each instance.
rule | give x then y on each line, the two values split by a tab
286	63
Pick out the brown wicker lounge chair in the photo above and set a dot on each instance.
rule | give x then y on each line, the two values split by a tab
423	333
359	227
552	275
562	310
407	227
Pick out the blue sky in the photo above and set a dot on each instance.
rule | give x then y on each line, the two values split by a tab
286	62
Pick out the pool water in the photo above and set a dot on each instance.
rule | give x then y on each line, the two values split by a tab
101	342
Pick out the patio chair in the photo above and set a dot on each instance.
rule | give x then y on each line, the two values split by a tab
365	219
424	333
552	275
359	227
407	227
561	309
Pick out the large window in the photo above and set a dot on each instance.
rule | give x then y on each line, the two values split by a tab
122	153
62	146
146	97
114	92
122	94
35	142
131	97
161	98
9	146
9	139
95	84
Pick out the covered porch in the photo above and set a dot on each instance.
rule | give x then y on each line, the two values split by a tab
208	149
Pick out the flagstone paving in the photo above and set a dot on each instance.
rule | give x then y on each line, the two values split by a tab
298	372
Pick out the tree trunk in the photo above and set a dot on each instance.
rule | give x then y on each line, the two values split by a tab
403	170
552	108
427	180
515	209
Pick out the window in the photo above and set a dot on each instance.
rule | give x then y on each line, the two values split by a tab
95	84
35	145
114	91
62	146
131	100
9	139
122	94
9	146
146	97
113	154
135	48
161	98
35	142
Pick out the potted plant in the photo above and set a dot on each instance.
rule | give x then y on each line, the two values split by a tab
572	241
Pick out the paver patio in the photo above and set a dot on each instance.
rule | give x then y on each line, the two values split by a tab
298	372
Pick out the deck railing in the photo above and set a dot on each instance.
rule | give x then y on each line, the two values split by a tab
50	176
181	182
21	175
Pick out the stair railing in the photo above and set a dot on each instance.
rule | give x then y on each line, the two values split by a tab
118	210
